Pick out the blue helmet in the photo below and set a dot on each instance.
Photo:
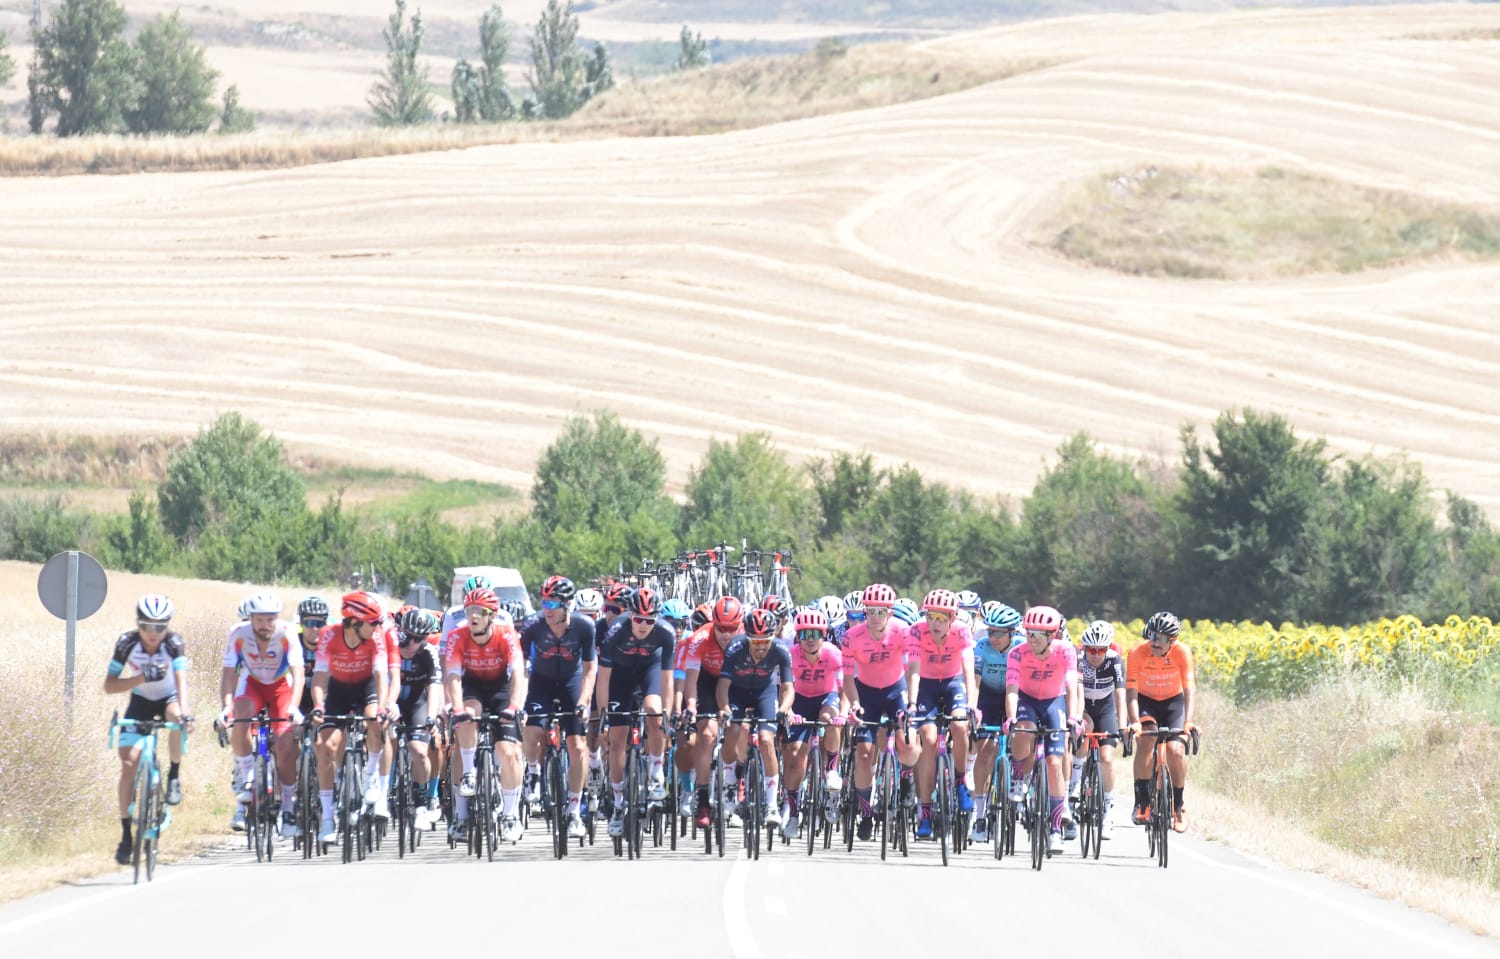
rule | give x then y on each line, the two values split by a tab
906	611
1001	617
675	609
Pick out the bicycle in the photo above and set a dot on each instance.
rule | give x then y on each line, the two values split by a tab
635	780
753	817
1160	796
307	794
894	806
554	779
262	817
148	811
947	792
713	836
814	802
1000	811
403	803
349	800
1090	813
1036	805
484	806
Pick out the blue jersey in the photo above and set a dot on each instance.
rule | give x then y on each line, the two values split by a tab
745	673
622	650
558	657
989	661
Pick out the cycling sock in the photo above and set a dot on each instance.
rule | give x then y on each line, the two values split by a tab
981	803
242	768
771	782
419	791
926	810
1077	774
1141	790
792	803
654	766
325	799
729	777
1057	814
467	755
432	789
685	781
509	800
172	770
969	771
864	795
831	761
461	807
1177	792
288	797
125	830
619	789
574	801
703	795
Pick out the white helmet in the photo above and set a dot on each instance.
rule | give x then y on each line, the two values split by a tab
1099	633
589	601
261	604
968	599
153	608
833	608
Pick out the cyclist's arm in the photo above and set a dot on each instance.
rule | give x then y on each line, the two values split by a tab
851	697
180	677
601	686
586	686
1120	712
319	687
1012	700
690	689
784	705
970	687
1189	684
297	676
913	680
115	683
1133	706
518	681
228	679
721	694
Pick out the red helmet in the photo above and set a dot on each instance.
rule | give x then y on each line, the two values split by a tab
760	624
879	595
1043	619
483	597
703	613
776	605
559	588
811	618
646	602
941	601
618	594
728	613
362	607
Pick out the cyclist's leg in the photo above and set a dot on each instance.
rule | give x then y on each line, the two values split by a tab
929	692
957	703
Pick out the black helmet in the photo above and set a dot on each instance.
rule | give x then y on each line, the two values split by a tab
1162	624
312	607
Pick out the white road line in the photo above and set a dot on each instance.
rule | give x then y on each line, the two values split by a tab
736	922
1356	912
62	909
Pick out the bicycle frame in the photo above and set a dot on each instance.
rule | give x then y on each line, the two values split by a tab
148	810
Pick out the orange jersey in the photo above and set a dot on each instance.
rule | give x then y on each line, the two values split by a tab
1159	677
488	661
345	665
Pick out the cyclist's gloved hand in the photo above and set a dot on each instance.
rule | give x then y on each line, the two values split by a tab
153	672
581	710
795	719
978	715
222	720
1005	727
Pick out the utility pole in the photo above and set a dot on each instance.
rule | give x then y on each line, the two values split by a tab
36	15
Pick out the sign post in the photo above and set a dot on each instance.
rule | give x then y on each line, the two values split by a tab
71	586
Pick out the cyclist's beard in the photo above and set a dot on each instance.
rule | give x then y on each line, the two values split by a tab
264	635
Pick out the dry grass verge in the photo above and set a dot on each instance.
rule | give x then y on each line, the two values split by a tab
113	461
1243	225
732	97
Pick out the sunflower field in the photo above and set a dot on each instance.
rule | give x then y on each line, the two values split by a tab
1257	661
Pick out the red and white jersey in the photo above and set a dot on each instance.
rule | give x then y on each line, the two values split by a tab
267	665
488	661
345	665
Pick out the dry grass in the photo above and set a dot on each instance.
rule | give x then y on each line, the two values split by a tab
113	461
1268	223
738	96
1364	784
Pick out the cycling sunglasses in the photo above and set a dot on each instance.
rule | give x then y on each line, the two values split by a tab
937	617
551	604
478	611
803	635
643	620
314	623
152	627
613	610
855	616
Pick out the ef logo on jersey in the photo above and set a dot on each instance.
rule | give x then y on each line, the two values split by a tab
1040	674
879	656
813	675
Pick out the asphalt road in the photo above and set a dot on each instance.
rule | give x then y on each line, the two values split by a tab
1211	900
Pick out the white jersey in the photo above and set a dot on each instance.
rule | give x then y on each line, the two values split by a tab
130	653
267	666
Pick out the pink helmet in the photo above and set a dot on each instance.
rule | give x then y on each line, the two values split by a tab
941	601
811	618
1043	619
879	594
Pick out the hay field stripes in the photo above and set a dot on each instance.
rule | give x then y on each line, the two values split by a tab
872	280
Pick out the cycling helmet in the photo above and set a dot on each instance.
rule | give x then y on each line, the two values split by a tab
362	607
675	610
483	597
417	622
559	588
760	624
477	582
777	605
1043	619
811	617
1162	624
833	610
904	610
312	607
968	599
589	601
646	602
243	609
153	608
618	594
879	594
1099	633
940	601
515	609
854	601
702	614
267	604
1001	617
728	613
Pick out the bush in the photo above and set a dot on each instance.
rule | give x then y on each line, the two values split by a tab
34	530
229	474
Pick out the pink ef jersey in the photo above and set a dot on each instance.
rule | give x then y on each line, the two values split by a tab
1045	676
945	661
877	664
819	676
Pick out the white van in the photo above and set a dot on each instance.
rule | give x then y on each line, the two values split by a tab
509	586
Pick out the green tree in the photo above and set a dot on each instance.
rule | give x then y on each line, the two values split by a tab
692	52
176	82
748	489
234	118
400	97
1249	508
1468	578
138	542
480	92
7	62
913	532
558	71
843	484
229	473
598	467
33	530
464	84
598	74
85	69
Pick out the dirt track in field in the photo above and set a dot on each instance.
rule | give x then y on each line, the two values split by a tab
863	281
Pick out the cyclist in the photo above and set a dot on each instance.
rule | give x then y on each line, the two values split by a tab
485	672
312	616
379	773
263	671
1160	688
817	677
905	611
635	660
854	614
970	610
1003	633
158	687
1041	687
782	610
1101	674
590	603
349	679
419	701
875	688
563	667
940	669
757	675
703	663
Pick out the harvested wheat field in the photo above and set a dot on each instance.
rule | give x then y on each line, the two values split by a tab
879	280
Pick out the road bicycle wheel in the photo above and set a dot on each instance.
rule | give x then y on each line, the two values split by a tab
1161	811
1038	814
155	817
557	803
265	812
351	804
491	789
1091	806
716	801
885	809
812	810
944	803
140	814
633	797
307	795
755	795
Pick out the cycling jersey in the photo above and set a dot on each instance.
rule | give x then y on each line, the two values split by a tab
622	650
745	673
1101	681
345	665
418	673
1042	677
704	653
267	666
943	661
1159	677
819	676
559	657
990	661
170	655
877	663
491	661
